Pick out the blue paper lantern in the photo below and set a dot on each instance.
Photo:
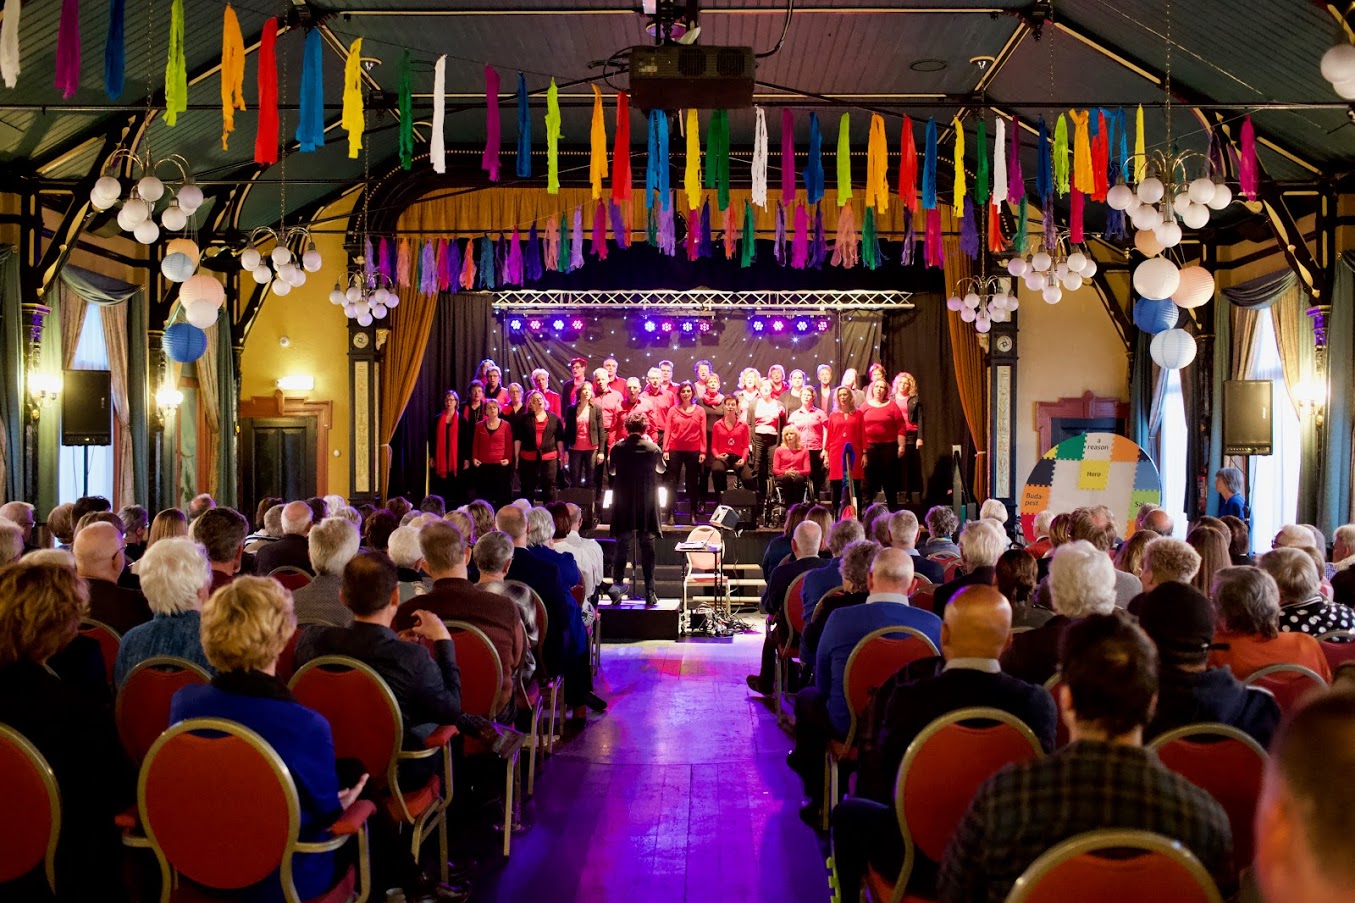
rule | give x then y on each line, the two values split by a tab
1155	316
184	343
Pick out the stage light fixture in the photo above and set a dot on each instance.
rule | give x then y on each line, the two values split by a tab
688	327
824	324
758	325
515	324
666	327
802	325
778	325
650	327
705	327
558	325
576	324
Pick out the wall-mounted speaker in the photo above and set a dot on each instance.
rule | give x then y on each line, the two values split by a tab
86	407
1248	428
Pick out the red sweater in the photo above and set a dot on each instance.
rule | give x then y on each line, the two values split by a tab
883	424
844	428
686	431
784	459
725	440
492	447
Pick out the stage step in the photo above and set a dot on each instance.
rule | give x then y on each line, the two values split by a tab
633	620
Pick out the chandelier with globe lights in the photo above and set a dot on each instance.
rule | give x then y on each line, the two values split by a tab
146	189
983	301
285	267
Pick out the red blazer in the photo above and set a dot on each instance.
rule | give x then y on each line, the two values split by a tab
844	428
726	441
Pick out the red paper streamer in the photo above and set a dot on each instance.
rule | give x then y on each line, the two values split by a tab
1101	158
489	161
997	243
1075	205
1247	170
621	152
907	166
266	139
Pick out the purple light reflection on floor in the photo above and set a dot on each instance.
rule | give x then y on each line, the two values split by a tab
679	793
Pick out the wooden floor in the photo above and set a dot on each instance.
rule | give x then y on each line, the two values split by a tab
679	792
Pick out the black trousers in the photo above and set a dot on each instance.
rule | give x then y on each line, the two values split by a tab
838	486
721	467
688	463
792	488
813	730
882	473
866	832
584	469
622	557
449	487
911	469
538	476
492	483
760	460
818	475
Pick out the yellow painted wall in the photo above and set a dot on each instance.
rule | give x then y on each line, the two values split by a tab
317	345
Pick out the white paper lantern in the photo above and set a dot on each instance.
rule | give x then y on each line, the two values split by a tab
998	301
1061	270
1034	281
250	258
392	300
281	255
150	188
200	313
1013	303
107	188
1173	349
1196	287
1168	234
1151	190
969	315
1145	217
1017	267
1041	261
174	219
101	202
954	303
185	246
336	296
261	274
177	267
354	294
1072	282
146	232
1338	63
982	324
1223	196
127	217
1196	216
1156	278
1345	89
364	319
1201	190
1120	196
205	289
311	260
298	277
1052	294
190	198
1145	240
381	296
281	287
1182	201
350	311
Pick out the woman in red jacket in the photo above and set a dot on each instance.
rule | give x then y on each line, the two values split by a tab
492	457
790	466
538	442
684	448
884	427
729	447
844	427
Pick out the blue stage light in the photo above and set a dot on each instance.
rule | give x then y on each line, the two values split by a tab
759	325
801	325
558	325
688	327
515	324
650	326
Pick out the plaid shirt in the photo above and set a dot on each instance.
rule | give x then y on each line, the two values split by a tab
1025	809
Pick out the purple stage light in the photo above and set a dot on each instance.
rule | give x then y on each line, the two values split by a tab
823	325
534	325
666	326
705	326
778	325
576	324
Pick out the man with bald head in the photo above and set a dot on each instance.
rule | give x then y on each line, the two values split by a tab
21	515
973	635
804	549
1158	521
99	560
293	549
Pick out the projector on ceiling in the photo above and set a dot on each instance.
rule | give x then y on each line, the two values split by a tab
680	77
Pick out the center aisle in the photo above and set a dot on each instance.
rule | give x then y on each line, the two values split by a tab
679	792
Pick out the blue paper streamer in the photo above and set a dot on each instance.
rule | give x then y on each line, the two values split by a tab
453	265
969	230
813	174
115	53
310	129
524	169
656	174
485	272
818	247
1044	177
929	167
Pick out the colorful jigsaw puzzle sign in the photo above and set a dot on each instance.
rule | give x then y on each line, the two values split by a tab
1091	469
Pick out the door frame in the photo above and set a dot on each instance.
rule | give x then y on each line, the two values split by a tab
279	405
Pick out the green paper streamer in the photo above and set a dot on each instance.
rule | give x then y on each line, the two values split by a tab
717	157
869	248
1019	241
176	72
562	265
749	249
844	159
406	75
982	187
1061	155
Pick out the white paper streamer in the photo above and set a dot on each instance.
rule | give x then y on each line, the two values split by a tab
436	148
9	43
1000	162
759	192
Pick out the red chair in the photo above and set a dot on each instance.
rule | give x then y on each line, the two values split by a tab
793	610
1338	646
367	725
142	710
29	831
1225	763
219	807
287	657
594	631
1075	870
952	569
940	772
291	577
544	691
109	641
877	657
1061	727
1287	683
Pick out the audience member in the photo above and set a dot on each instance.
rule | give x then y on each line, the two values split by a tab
377	529
1228	482
587	552
1248	638
177	579
779	546
1158	522
433	504
167	524
11	542
821	710
1343	560
1042	544
87	505
319	508
266	504
399	506
540	542
1319	544
292	550
903	530
492	555
269	532
942	523
406	553
97	517
1016	576
995	511
1167	561
222	533
1130	556
482	515
973	635
61	525
1095	524
245	626
1081	583
1179	619
1109	682
820	580
99	560
333	542
1302	608
824	518
1239	540
352	515
135	525
21	514
854	575
981	544
1212	547
200	505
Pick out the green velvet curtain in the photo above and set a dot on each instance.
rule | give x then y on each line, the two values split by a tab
12	345
1335	488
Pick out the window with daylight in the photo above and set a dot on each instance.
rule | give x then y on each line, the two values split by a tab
90	354
1171	452
1273	484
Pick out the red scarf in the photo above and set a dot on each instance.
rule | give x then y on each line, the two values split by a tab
445	454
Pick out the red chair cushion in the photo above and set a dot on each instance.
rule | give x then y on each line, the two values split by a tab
1097	879
1228	771
27	825
480	678
143	706
293	582
339	893
1338	653
1287	688
108	645
416	801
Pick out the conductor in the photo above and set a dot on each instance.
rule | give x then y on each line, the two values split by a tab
634	465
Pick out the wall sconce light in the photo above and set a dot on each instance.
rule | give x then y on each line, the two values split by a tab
168	399
296	383
1312	400
43	387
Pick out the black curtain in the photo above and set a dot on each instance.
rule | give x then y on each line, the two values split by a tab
918	341
460	335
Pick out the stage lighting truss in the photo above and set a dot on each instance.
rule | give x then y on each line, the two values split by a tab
538	325
698	301
789	328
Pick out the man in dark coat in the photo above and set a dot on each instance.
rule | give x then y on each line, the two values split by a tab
635	464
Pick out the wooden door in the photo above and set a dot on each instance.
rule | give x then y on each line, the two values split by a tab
277	458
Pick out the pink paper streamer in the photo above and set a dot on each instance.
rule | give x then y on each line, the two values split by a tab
402	262
1075	208
444	274
384	260
1016	182
428	270
787	156
1247	170
576	241
68	49
933	253
553	244
799	245
512	264
847	245
779	245
489	162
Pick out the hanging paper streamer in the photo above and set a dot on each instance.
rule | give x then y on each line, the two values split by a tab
969	231
799	245
406	80
552	250
428	270
707	242
620	234
691	179
176	69
531	256
759	188
929	168
844	159
1248	172
1100	129
730	231
489	160
870	241
667	231
818	251
1016	179
652	228
981	184
748	245
513	268
933	254
500	258
877	166
996	242
597	137
656	175
1022	228
909	240
468	266
444	278
1083	178
1050	226
847	246
453	265
67	48
1061	182
576	241
486	278
1140	152
552	139
693	241
524	158
115	52
1076	205
354	120
621	149
368	259
1000	161
1121	154
717	162
779	242
814	166
437	139
310	126
1044	177
958	192
9	43
599	248
787	156
232	73
383	265
402	264
907	166
266	138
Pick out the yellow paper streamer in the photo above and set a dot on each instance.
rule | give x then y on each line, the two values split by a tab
552	139
176	68
1084	179
877	165
691	180
844	159
1140	155
597	163
232	74
354	117
959	168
